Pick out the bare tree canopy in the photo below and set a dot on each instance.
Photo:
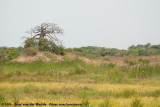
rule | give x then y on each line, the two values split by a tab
46	30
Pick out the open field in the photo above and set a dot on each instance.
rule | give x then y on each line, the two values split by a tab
135	83
119	95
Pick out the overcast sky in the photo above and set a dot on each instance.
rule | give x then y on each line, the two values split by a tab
105	23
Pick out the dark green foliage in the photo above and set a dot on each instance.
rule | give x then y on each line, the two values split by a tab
13	54
8	53
155	46
96	52
57	49
148	45
20	49
29	42
132	47
30	51
44	44
143	50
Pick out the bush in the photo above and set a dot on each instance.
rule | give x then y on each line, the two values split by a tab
143	52
8	53
29	42
20	49
44	44
57	49
13	54
30	51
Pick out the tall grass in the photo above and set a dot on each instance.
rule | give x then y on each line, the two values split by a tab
144	71
106	103
136	103
73	70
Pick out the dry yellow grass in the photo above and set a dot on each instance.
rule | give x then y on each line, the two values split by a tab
94	102
120	102
99	87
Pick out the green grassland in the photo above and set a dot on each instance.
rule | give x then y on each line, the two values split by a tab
135	84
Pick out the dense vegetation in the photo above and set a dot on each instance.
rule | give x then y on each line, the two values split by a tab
139	50
32	46
82	83
135	83
44	44
7	54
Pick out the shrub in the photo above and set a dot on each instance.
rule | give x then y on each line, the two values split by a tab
143	52
44	44
57	49
8	53
30	51
13	54
29	42
20	49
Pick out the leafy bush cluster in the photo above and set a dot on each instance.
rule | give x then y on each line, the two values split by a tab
94	52
9	53
44	44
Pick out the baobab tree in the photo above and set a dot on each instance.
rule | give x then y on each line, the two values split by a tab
45	38
46	30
